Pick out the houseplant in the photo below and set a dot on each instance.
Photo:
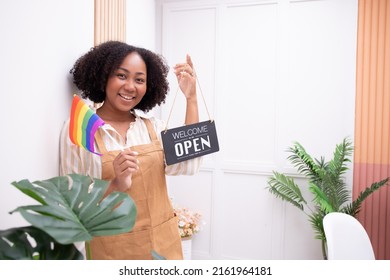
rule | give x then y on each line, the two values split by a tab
325	182
188	221
188	225
72	210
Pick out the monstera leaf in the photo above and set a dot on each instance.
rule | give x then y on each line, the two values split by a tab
156	256
73	208
30	243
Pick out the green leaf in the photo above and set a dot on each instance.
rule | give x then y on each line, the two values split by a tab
341	156
73	208
285	188
320	198
30	243
304	163
157	256
317	225
354	207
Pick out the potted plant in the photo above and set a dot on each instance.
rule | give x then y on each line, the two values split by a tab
188	224
72	209
325	182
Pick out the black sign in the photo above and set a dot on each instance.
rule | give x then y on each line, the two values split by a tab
189	141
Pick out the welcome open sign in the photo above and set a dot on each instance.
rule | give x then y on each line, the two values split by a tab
189	141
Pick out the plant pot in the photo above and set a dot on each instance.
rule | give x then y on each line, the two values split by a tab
186	244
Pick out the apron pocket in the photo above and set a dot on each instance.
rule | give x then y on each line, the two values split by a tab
125	246
167	241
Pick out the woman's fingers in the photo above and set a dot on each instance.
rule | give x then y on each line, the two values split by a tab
126	161
184	68
189	61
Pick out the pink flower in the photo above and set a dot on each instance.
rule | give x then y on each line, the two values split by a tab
188	222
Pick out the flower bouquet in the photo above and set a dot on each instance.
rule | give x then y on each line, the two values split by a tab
189	221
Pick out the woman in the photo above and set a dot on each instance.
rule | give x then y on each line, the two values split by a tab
124	78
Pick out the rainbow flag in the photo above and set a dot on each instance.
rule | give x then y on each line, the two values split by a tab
84	123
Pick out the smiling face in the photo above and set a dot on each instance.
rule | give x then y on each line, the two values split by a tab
126	86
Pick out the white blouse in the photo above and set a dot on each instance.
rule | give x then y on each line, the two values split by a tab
75	159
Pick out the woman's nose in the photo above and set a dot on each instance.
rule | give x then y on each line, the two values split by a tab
129	85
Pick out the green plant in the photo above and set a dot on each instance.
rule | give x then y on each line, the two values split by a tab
73	209
325	182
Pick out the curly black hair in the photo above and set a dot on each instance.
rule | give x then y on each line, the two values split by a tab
92	70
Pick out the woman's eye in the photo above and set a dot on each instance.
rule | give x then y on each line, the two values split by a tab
121	76
141	81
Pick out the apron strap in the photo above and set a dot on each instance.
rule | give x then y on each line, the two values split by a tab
152	132
99	142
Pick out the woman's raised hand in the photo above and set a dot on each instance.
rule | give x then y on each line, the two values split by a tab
186	77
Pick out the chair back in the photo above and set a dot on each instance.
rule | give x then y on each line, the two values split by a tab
346	238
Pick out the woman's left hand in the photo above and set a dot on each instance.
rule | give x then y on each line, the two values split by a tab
186	78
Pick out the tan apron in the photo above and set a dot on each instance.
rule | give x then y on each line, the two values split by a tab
156	227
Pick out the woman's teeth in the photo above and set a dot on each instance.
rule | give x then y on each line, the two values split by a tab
126	97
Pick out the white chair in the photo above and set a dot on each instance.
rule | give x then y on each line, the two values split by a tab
346	238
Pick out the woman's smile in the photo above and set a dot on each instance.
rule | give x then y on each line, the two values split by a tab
126	97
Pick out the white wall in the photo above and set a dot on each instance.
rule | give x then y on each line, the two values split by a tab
141	29
273	72
40	41
140	23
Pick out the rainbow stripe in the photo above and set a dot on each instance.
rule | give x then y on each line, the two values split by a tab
84	123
